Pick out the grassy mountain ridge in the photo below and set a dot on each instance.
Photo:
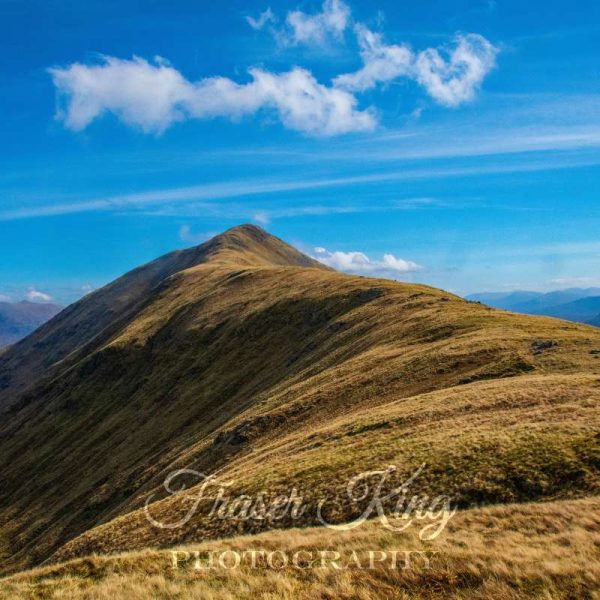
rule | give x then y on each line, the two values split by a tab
87	324
257	363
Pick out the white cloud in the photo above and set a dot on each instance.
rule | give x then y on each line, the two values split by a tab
34	295
455	80
152	97
261	217
399	264
575	281
382	63
317	29
149	96
5	298
449	81
358	262
262	19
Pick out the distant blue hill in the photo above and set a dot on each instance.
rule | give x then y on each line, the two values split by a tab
595	321
574	304
19	319
505	300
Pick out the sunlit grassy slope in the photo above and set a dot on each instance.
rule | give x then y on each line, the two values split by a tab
548	550
244	358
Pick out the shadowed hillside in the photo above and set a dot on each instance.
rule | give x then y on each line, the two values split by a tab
245	358
87	324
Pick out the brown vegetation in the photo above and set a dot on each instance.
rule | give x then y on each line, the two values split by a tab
549	550
246	359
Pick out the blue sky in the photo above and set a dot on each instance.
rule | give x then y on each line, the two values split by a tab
454	143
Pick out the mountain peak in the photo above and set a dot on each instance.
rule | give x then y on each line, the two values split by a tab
248	229
243	235
250	245
235	249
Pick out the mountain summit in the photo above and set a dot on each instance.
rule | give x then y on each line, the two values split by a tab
90	319
243	357
249	245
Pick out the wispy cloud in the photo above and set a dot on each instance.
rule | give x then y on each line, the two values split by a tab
297	209
382	63
186	235
359	262
259	22
475	138
575	281
34	295
266	216
455	79
298	27
246	188
450	75
211	191
318	28
262	217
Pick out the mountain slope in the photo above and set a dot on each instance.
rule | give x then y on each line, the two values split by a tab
87	324
19	319
245	358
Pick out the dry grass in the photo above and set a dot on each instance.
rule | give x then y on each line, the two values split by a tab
542	551
226	360
503	441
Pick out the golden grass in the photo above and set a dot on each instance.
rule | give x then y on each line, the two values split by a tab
547	550
493	441
226	360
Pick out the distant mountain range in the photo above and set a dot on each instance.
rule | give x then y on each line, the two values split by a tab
574	304
19	319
